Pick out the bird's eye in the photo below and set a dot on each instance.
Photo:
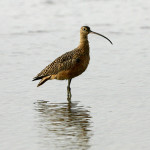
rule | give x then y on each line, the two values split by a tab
84	29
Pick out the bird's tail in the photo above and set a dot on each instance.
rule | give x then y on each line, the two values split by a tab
43	80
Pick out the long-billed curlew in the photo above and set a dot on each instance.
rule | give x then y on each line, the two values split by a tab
70	64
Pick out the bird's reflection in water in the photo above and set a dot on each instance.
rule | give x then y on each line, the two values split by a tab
66	125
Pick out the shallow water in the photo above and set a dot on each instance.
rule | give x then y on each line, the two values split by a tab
110	104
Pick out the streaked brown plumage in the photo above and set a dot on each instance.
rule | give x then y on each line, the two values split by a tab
70	64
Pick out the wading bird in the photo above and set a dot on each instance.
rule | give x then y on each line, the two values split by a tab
71	64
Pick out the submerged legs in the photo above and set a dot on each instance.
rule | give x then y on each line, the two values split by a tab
69	90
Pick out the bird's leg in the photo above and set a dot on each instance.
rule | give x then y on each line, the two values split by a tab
69	90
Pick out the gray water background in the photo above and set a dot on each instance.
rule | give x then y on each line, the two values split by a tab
110	107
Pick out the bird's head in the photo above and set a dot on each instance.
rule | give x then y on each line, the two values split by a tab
85	30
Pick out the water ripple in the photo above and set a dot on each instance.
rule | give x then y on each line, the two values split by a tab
67	125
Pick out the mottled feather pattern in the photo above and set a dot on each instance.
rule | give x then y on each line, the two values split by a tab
64	62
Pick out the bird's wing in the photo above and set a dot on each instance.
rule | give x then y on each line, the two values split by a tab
64	62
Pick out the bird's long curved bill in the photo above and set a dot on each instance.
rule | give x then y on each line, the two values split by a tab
102	36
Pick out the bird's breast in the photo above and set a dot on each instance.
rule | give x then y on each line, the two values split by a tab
83	63
79	67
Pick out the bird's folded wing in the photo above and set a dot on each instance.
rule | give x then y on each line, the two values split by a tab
64	62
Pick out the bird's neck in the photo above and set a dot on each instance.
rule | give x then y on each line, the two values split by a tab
84	43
